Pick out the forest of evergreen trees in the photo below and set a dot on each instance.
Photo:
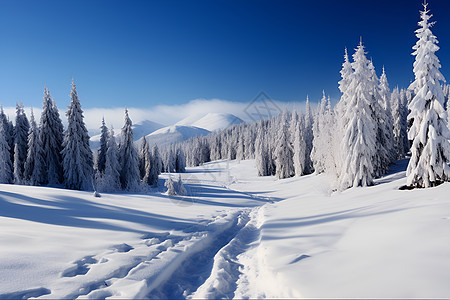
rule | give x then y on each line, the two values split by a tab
353	142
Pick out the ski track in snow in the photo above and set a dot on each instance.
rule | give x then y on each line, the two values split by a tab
200	264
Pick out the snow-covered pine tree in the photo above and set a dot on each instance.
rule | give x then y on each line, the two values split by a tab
156	166
260	152
51	136
180	161
6	172
358	145
341	118
101	157
283	152
128	157
385	138
319	150
77	154
170	185
430	150
399	124
299	146
181	190
9	133
34	162
144	157
404	119
21	143
308	138
109	181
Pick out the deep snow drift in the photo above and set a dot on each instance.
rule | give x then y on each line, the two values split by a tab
235	235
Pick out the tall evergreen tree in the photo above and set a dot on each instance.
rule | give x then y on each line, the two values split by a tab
144	158
109	180
128	157
156	166
51	136
399	125
9	133
21	143
34	162
6	172
308	138
283	152
359	143
430	150
101	157
299	146
77	154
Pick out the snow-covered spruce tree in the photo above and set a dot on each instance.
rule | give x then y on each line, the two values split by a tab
181	190
180	161
51	136
299	145
6	172
385	140
128	157
170	185
9	133
156	166
101	157
404	94
399	124
341	119
21	143
319	150
34	162
283	152
261	153
77	155
144	157
109	180
358	145
430	150
308	138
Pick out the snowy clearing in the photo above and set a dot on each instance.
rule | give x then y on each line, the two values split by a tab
236	235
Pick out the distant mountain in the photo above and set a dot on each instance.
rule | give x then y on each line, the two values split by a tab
174	134
196	125
211	121
139	130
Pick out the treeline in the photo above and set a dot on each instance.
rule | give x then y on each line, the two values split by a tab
49	155
357	140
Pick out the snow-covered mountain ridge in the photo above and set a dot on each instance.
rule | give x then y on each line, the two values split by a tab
196	125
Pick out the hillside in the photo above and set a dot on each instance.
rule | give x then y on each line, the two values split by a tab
234	235
173	134
212	121
139	130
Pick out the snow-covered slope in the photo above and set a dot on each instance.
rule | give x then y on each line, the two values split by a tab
212	121
173	134
235	235
139	130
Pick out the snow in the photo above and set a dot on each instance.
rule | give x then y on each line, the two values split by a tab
173	134
217	121
233	235
139	129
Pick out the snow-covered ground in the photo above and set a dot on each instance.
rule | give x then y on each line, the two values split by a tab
235	235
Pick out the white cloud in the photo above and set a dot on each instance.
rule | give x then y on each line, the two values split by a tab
166	114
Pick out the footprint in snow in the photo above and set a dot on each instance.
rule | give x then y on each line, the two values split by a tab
80	267
122	248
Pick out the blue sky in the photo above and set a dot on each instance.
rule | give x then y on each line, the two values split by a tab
147	53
